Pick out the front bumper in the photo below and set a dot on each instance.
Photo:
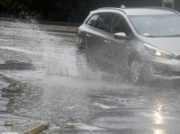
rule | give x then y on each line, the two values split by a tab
159	68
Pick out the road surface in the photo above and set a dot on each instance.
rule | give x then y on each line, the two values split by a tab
40	81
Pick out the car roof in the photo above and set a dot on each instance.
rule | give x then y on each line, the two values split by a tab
141	11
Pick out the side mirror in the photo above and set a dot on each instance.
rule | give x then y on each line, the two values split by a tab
120	35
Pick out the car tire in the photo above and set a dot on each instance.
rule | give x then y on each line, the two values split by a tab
136	71
81	61
86	67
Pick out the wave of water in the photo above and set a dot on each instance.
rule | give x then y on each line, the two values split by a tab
48	52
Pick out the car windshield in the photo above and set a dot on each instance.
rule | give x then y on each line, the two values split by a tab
157	25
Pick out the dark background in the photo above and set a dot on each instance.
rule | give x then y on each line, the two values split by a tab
72	11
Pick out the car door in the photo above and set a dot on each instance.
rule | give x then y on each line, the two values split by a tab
118	49
96	38
91	36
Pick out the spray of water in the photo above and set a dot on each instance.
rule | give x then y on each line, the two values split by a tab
47	51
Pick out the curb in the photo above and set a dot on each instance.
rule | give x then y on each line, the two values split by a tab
32	127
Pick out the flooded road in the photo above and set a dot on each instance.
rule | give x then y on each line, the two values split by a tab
40	81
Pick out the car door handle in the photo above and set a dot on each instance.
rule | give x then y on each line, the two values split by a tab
107	41
88	35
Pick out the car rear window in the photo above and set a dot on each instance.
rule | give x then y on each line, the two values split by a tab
104	22
92	20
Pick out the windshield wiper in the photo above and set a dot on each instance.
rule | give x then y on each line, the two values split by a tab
152	36
176	35
156	36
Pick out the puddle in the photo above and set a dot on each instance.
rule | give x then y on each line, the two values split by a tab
15	65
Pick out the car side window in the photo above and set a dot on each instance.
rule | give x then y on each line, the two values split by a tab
104	22
120	25
92	20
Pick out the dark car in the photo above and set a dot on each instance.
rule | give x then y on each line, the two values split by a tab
142	43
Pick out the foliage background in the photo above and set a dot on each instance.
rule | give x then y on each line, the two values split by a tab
63	10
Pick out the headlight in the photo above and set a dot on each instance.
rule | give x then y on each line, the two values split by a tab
158	53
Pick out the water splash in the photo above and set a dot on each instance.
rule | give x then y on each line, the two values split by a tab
50	52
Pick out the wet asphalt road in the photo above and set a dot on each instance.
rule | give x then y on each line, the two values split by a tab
42	82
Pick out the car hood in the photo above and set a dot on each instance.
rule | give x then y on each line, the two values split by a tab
170	44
